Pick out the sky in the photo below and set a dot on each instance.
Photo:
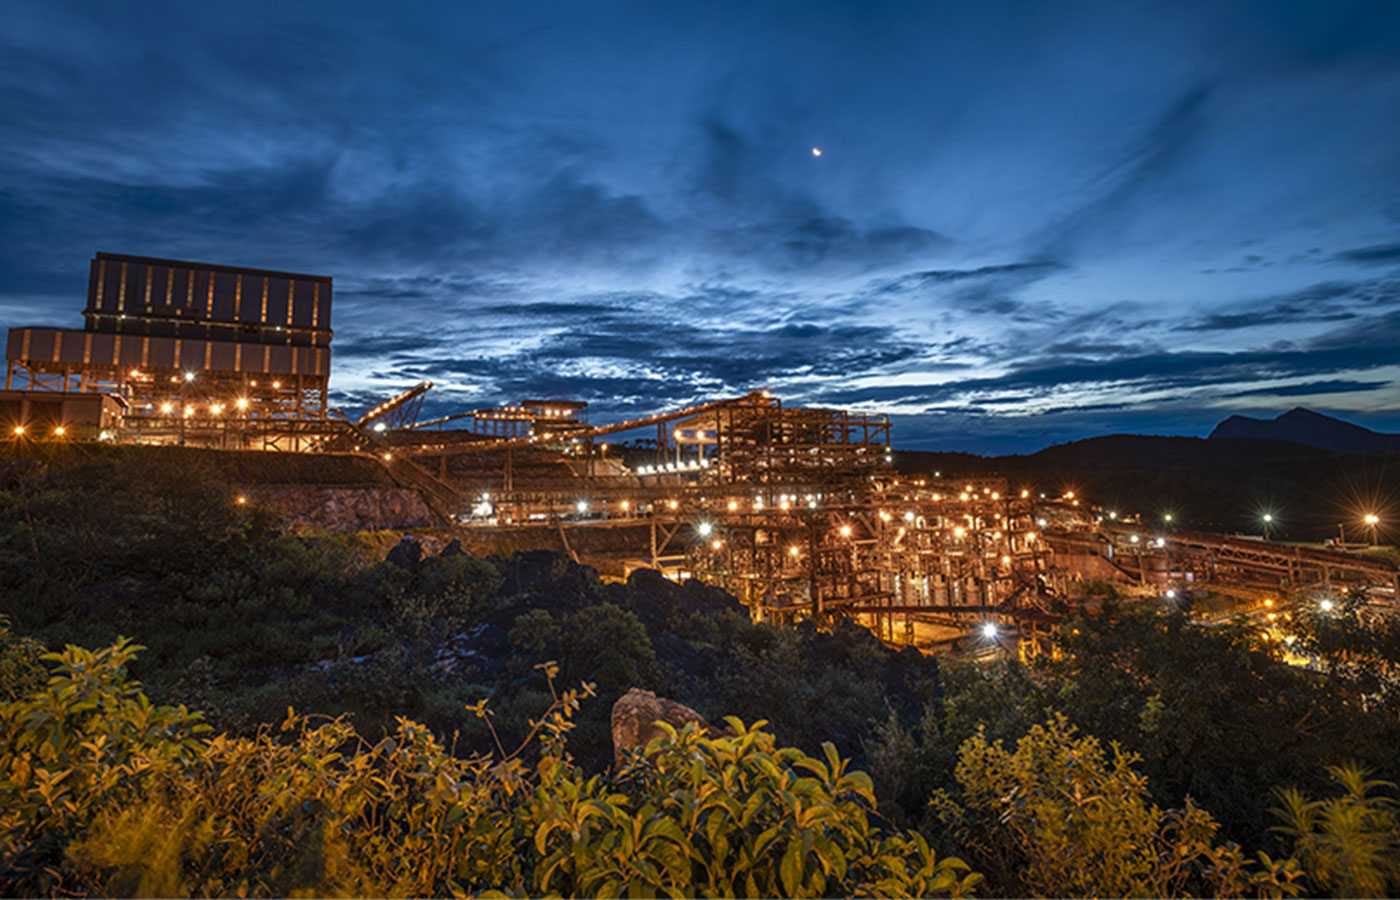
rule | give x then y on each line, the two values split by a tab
1028	223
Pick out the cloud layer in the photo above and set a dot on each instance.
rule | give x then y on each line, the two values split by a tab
1026	225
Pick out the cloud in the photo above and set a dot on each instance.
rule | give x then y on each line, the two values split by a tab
1379	254
1331	301
1334	386
1366	345
1012	218
385	345
1114	196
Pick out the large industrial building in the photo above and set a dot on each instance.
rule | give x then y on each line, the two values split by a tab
193	353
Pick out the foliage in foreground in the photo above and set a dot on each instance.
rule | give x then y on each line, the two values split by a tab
102	792
1057	818
1350	843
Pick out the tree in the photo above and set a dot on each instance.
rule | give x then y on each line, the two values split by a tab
1214	713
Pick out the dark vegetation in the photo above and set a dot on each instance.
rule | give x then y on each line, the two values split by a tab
1222	485
1180	736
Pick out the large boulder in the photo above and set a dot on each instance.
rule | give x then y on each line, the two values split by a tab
634	718
406	553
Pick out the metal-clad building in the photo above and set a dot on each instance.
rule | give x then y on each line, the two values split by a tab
194	342
166	298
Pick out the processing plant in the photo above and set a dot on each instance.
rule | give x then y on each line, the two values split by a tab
799	512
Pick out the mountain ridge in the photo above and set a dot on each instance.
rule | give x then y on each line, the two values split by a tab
1305	426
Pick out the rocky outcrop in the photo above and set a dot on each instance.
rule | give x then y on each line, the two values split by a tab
406	554
634	718
359	508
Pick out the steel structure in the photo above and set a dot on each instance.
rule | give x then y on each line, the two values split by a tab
884	550
524	419
1201	558
796	511
799	513
399	411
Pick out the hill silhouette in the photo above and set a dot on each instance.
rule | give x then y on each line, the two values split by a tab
1213	484
1304	426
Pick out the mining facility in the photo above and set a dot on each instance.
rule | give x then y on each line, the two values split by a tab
799	512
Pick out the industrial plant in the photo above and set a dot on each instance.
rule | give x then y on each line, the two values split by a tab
799	512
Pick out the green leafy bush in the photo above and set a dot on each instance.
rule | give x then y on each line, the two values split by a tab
21	669
1350	844
102	792
87	742
1057	817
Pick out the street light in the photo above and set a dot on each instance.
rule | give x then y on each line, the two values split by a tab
1372	520
1268	520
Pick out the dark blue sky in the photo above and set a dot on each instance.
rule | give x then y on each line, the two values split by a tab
1030	222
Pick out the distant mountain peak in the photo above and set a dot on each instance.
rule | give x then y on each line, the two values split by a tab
1307	426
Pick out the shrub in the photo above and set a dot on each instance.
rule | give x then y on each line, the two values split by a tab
1057	817
1350	844
87	742
102	792
21	670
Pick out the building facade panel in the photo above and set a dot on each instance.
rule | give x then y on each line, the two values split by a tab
101	349
41	344
130	286
227	297
128	352
221	355
304	304
162	354
275	309
280	360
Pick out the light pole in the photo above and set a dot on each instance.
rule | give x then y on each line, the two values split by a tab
1268	520
1372	520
